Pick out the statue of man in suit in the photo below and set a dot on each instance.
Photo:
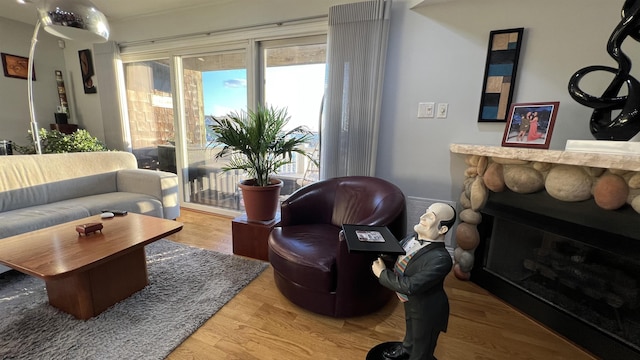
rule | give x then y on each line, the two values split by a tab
418	278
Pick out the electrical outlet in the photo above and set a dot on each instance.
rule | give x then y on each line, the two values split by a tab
443	109
426	109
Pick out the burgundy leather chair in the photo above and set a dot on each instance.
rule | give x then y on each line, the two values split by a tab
312	265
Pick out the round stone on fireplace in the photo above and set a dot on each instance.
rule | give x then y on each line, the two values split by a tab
479	194
610	192
494	178
523	179
634	181
483	162
464	258
635	204
569	183
471	217
461	275
467	236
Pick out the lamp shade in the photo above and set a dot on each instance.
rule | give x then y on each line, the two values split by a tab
76	20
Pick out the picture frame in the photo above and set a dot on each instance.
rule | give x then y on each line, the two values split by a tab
87	71
16	67
500	72
530	125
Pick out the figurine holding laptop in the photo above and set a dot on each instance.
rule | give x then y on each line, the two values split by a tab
371	239
418	278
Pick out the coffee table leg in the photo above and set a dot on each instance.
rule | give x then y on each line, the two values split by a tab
88	293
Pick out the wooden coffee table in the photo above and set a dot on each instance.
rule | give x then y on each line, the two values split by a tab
85	275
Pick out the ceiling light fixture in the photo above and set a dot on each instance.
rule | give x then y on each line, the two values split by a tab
76	20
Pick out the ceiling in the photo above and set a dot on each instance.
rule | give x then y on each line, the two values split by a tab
115	10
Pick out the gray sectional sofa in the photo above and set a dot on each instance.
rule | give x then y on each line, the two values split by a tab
38	191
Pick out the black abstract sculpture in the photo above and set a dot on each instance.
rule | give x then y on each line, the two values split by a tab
627	123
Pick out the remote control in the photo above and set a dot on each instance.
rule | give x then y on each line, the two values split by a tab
116	212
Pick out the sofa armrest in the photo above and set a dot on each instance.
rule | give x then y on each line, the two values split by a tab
159	184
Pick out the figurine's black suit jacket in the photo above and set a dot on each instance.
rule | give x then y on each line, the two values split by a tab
428	307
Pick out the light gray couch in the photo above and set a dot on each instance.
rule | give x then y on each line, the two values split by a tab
38	191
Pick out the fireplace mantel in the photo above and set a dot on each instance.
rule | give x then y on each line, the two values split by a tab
528	174
599	160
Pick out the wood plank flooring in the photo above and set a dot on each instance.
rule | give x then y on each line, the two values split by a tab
259	323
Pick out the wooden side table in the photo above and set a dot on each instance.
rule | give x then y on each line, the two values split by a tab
251	239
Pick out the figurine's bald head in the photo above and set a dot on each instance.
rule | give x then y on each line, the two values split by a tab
436	222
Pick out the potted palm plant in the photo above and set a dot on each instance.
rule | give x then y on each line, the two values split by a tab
255	141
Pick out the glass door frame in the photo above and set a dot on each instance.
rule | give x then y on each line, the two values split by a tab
174	49
290	42
263	45
180	122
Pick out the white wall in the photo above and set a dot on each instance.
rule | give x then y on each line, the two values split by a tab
15	39
438	52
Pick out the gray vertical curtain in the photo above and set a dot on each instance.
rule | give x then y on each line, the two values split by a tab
356	53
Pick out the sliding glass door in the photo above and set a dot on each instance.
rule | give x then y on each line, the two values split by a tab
213	86
150	107
294	78
171	101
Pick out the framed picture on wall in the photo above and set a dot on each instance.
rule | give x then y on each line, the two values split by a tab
530	125
86	65
500	74
16	67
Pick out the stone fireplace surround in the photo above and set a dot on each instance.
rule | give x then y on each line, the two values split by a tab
526	171
603	186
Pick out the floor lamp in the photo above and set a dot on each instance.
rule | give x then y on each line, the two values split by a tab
76	20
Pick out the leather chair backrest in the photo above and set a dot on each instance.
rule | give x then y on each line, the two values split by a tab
361	200
365	200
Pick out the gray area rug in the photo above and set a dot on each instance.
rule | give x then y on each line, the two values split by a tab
186	287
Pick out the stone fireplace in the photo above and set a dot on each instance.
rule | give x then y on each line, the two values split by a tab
573	265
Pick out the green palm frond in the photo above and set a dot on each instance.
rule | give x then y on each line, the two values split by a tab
255	141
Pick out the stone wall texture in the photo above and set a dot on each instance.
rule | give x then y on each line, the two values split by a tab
610	188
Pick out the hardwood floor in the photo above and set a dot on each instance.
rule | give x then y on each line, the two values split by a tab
259	323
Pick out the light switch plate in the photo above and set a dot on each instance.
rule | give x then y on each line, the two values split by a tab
426	109
443	109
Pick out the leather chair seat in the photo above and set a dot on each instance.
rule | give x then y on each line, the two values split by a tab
304	254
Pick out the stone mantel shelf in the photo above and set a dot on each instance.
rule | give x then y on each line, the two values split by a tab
599	160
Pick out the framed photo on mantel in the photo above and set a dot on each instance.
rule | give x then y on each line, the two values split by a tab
530	125
500	74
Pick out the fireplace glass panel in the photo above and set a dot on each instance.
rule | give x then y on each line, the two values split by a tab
595	286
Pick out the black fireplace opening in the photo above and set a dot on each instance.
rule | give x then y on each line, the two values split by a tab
571	266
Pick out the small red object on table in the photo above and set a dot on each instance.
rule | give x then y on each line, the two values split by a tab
86	229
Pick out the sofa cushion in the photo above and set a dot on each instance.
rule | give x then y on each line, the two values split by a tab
58	191
81	186
29	180
32	218
41	216
131	202
306	254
